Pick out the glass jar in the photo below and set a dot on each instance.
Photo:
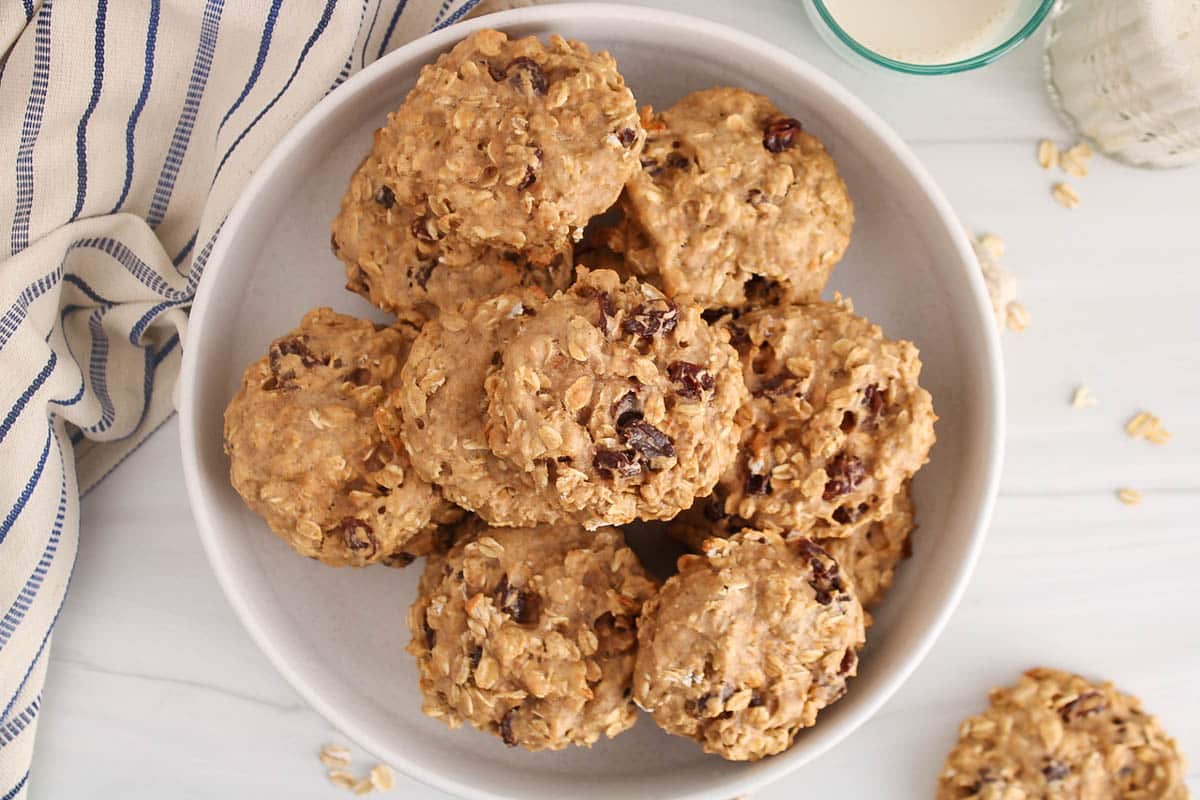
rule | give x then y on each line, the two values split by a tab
1126	76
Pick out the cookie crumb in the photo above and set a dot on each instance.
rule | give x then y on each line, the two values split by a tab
1083	398
382	777
1081	150
1001	285
1065	195
335	755
339	777
1145	425
1130	497
364	786
1017	316
1047	154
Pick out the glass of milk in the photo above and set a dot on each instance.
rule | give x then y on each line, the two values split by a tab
926	37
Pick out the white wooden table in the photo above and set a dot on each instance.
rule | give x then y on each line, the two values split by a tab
155	691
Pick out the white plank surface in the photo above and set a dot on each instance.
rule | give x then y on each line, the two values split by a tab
154	689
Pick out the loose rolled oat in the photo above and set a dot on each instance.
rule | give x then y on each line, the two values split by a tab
382	777
1083	398
1130	497
335	755
1047	154
1065	195
1145	425
1017	316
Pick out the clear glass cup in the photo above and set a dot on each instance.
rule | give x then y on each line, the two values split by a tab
1125	74
1028	16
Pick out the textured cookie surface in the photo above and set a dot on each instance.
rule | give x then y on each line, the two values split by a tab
620	401
836	422
868	555
734	200
871	553
747	643
307	455
530	634
1061	737
517	143
397	258
440	409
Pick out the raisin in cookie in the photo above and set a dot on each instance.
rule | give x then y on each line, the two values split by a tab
836	422
1061	737
870	554
307	455
733	200
747	643
530	634
397	258
439	411
618	400
517	144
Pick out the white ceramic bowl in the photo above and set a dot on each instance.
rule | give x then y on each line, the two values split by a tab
338	635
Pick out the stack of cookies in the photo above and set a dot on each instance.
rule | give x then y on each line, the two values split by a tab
601	317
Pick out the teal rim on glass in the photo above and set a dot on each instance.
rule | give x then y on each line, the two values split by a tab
963	65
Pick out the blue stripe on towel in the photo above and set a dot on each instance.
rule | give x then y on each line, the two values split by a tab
13	792
86	288
81	131
30	391
16	313
387	36
45	638
264	46
30	128
312	40
201	66
187	248
457	15
98	371
147	80
362	57
11	519
24	600
20	722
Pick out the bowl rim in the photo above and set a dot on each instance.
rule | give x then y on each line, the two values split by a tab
992	407
944	68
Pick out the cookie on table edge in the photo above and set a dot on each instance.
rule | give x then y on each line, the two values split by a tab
1060	736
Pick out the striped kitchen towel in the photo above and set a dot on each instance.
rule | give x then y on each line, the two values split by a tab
127	128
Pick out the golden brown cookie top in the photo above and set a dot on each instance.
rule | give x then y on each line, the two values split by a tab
620	400
530	634
440	411
735	199
747	643
836	423
517	143
397	258
307	455
1062	737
